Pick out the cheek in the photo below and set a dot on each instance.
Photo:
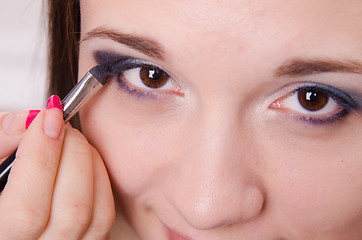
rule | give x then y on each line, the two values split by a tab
319	177
135	142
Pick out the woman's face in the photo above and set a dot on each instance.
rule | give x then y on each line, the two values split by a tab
229	119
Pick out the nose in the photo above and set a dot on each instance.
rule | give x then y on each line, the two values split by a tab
215	184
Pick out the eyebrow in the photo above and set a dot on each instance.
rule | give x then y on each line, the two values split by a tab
147	46
300	67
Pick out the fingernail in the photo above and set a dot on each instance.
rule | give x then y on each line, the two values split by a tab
31	116
54	102
53	120
13	123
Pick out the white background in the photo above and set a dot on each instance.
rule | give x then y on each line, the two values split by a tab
22	54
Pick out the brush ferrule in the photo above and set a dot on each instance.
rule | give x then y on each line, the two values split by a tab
84	90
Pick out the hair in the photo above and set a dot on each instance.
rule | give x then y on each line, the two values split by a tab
64	36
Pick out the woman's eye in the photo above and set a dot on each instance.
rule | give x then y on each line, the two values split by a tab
148	78
314	103
153	77
313	100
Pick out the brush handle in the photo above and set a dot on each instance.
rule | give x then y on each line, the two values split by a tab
71	104
5	167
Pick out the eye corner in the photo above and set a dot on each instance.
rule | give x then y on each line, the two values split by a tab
276	105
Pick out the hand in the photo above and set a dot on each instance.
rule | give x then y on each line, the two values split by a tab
58	187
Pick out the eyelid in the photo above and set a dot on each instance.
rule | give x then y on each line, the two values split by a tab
133	63
351	99
130	74
128	63
343	98
120	62
109	58
347	101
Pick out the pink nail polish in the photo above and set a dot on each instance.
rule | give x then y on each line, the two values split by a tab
53	119
31	116
54	102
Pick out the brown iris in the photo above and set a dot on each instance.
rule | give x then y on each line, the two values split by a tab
313	100
153	77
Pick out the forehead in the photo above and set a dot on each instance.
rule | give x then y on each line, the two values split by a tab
228	17
200	12
255	27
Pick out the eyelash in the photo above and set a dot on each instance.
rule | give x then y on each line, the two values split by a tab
132	91
119	67
340	98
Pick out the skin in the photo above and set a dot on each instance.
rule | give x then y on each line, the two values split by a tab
218	162
49	195
213	157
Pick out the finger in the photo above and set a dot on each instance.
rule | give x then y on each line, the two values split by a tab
73	194
12	128
103	206
25	201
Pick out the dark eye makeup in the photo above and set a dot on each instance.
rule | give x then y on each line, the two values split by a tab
151	76
314	97
311	97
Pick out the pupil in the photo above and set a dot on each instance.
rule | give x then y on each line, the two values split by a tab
153	77
312	96
154	74
312	100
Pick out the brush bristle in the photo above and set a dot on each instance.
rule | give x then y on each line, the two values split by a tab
100	72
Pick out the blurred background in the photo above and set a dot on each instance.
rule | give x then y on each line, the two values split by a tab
22	54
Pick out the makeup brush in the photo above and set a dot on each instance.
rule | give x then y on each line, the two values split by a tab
82	91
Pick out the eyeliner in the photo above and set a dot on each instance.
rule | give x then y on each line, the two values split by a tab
91	83
341	97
